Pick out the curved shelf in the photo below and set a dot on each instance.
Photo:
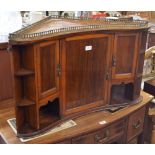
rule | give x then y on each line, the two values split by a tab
24	72
25	102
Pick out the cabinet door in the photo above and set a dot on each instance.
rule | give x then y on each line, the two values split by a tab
84	62
124	56
48	61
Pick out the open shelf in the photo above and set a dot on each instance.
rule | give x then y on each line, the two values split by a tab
49	114
24	72
121	93
25	102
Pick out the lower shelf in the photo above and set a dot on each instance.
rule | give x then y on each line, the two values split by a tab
48	114
25	102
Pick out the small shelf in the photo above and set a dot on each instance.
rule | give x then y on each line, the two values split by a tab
24	72
25	102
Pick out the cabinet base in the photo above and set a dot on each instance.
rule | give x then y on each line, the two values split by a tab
61	120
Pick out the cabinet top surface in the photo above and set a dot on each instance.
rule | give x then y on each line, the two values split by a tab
55	26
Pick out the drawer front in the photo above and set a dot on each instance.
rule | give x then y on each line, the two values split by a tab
135	124
110	134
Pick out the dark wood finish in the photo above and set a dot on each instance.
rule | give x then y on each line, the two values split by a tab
25	95
111	134
124	56
6	76
87	126
83	72
47	63
74	73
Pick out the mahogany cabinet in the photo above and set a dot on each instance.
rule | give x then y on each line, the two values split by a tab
64	71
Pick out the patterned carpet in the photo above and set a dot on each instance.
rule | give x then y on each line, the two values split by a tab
63	126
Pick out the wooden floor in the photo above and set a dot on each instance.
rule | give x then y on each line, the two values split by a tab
7	111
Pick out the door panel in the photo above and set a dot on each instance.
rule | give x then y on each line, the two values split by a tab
84	72
124	56
48	59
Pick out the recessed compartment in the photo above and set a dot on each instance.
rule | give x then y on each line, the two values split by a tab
121	93
49	113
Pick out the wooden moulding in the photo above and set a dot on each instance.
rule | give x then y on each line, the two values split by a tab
60	26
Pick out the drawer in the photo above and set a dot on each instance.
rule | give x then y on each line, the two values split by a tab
135	124
110	134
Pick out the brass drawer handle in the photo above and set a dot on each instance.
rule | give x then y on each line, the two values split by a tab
137	125
100	140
